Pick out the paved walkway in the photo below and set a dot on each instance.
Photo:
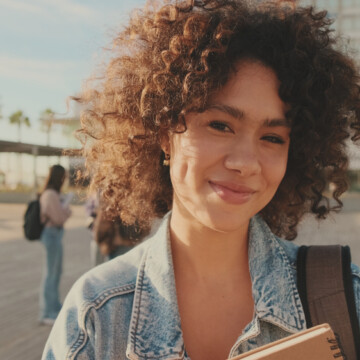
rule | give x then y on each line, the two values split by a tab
20	275
21	263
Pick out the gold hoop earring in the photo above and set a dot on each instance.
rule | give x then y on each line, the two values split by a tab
166	161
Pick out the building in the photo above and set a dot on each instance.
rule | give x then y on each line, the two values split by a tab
346	14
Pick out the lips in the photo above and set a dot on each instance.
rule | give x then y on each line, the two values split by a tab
231	192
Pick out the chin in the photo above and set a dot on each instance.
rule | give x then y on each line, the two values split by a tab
225	223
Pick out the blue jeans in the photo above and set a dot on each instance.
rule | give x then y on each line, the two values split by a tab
50	305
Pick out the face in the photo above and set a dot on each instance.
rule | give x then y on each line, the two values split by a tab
229	162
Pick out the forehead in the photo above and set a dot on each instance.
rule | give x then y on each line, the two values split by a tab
249	74
252	88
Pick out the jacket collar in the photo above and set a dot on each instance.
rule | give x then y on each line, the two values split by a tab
155	329
269	265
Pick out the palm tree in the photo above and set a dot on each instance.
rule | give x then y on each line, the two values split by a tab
70	125
19	119
47	118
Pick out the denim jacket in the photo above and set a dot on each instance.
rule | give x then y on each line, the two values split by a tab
127	308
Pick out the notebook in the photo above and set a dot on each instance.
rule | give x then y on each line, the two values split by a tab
316	343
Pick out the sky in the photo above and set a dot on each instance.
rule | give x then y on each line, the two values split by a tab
47	49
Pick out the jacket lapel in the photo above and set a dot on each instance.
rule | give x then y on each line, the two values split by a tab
273	283
155	330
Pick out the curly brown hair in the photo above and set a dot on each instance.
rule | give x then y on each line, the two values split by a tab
168	61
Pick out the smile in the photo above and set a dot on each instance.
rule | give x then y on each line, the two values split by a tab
232	193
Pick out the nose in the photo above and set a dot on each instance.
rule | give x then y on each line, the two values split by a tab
243	157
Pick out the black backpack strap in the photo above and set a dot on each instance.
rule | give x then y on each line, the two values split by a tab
327	295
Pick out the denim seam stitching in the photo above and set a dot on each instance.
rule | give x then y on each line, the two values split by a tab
297	302
296	297
137	301
96	304
137	306
255	325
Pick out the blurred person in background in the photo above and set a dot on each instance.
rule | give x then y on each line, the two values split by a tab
54	213
112	237
91	209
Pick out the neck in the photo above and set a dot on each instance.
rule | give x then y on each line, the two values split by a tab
206	253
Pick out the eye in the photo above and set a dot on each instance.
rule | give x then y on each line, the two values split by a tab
274	139
220	126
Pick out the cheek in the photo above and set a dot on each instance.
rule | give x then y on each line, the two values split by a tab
183	155
178	172
190	153
276	168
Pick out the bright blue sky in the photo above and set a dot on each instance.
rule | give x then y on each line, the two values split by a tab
47	49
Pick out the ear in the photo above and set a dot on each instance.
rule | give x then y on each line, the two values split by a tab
165	142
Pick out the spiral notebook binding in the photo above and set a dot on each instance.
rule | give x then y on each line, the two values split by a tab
336	345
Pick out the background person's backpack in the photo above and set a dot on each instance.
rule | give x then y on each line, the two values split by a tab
33	226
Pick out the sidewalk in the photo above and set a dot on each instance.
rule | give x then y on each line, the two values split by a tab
21	263
20	267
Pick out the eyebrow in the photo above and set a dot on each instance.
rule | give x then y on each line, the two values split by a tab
239	114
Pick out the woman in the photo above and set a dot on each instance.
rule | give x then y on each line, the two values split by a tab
111	236
234	117
53	214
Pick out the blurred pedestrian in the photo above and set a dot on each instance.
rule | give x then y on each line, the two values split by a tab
113	237
91	208
54	213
